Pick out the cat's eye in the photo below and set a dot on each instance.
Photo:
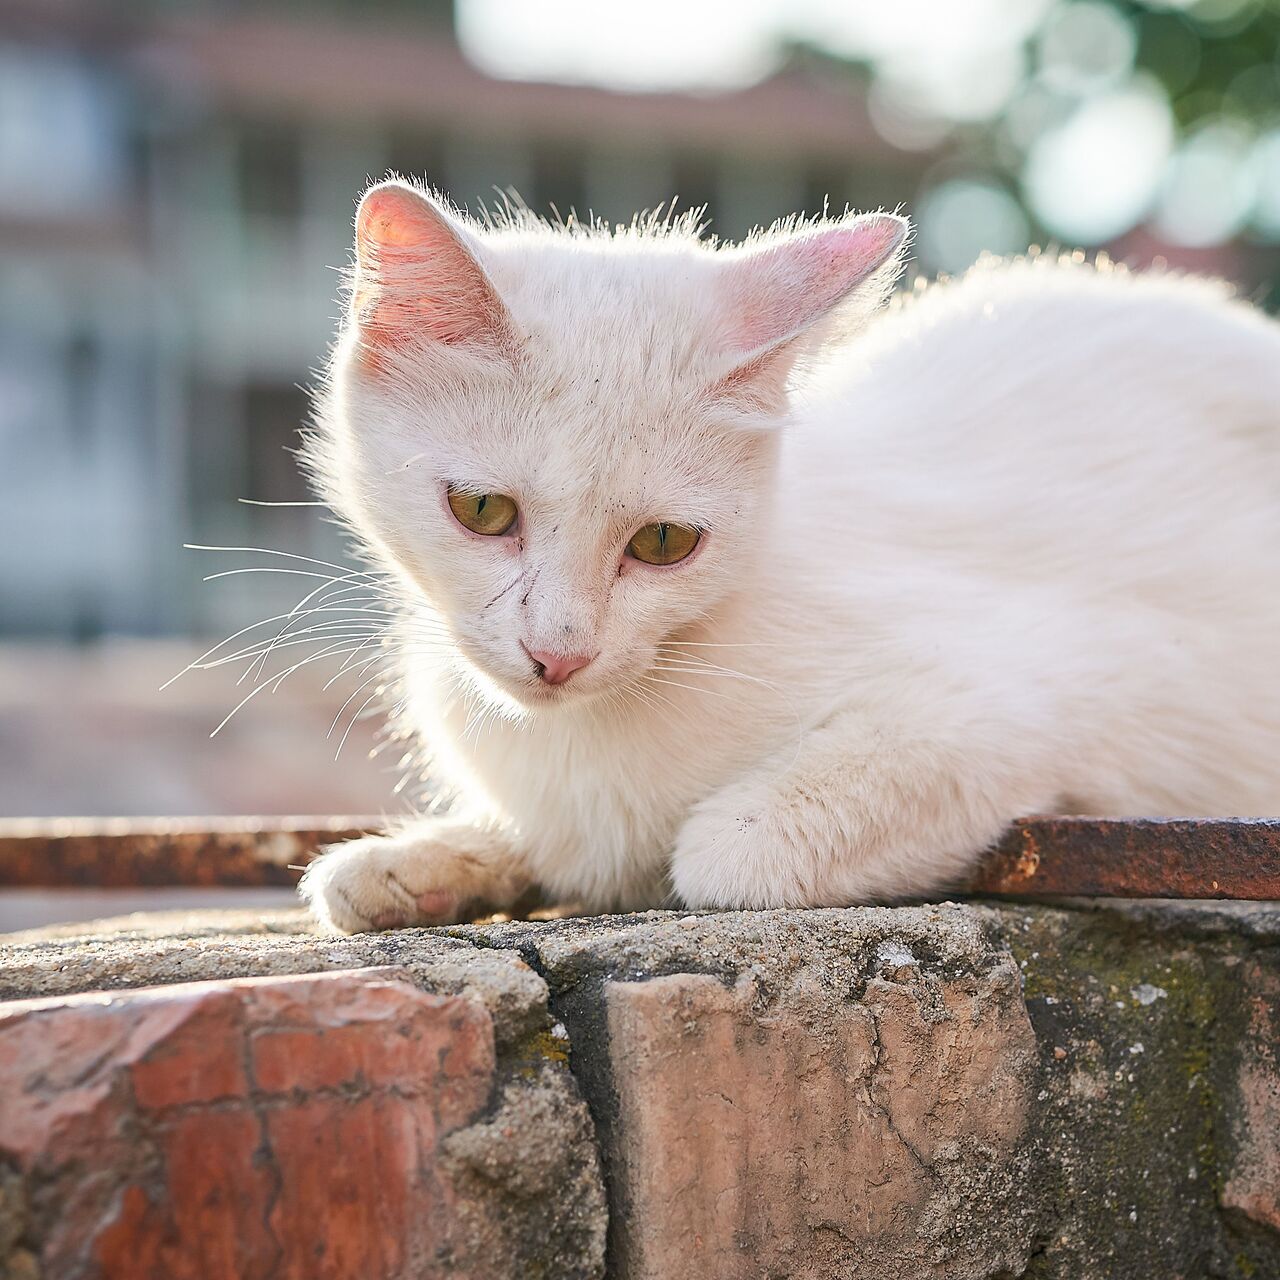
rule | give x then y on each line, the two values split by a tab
488	514
663	543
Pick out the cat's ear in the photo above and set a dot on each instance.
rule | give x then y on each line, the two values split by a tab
774	295
418	280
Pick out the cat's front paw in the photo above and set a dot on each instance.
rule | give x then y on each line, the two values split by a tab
390	882
727	862
735	859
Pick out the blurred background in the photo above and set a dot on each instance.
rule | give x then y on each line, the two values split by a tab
176	186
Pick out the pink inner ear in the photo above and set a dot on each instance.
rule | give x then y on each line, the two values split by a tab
416	279
782	290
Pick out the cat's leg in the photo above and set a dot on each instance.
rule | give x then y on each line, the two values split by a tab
434	871
856	812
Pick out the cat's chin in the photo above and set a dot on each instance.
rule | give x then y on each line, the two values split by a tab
523	697
540	696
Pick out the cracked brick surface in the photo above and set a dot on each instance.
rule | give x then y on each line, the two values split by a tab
809	1131
801	1094
275	1127
940	1092
989	1092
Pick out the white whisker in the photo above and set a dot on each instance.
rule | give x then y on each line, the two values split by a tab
675	684
325	592
341	647
377	675
718	644
257	651
287	555
257	502
235	635
264	568
375	694
350	661
710	670
349	668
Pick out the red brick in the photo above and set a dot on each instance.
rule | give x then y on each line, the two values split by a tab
207	1219
274	1127
179	1068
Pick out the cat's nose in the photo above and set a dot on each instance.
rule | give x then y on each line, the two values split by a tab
556	668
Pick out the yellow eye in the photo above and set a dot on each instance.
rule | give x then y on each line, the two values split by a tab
490	514
663	543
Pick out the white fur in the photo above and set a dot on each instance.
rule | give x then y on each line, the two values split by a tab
1012	546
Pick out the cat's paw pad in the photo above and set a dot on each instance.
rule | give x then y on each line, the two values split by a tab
380	882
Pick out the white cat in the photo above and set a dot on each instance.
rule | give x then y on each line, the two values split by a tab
716	587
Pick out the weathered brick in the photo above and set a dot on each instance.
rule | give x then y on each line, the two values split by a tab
856	1083
1253	1184
799	1132
281	1127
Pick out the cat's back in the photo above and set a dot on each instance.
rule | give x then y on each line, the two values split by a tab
1054	401
1110	439
1008	335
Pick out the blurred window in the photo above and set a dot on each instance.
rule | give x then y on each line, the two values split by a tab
418	155
823	185
694	185
559	181
274	412
63	144
270	172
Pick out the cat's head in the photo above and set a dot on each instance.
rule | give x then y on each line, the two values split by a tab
562	442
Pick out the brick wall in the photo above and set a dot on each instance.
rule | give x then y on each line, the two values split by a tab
946	1091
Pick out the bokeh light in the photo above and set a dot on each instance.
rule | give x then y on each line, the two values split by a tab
1086	47
1093	177
964	217
721	43
1266	171
1209	186
1094	116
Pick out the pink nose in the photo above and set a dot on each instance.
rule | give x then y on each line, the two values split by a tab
556	668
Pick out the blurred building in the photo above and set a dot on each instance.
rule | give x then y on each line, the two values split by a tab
177	180
176	187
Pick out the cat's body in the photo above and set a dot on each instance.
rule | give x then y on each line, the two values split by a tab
1017	550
